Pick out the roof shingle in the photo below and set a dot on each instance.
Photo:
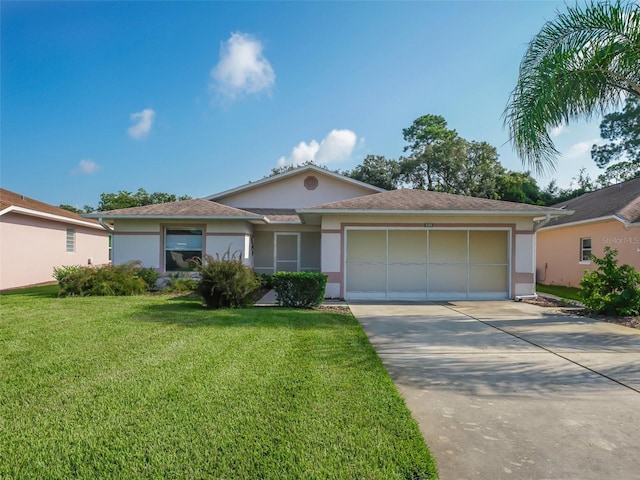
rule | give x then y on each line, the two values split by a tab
184	208
622	200
424	200
12	199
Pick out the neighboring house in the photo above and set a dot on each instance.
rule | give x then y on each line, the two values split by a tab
371	243
36	237
606	217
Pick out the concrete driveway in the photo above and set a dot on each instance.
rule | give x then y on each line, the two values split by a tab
512	390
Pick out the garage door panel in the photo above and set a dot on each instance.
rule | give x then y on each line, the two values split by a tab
407	246
488	247
488	279
447	246
448	278
367	246
410	278
367	277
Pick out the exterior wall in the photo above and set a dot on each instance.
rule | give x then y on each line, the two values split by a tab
558	250
30	247
522	253
143	240
291	192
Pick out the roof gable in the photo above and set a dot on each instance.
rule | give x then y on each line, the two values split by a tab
621	200
300	187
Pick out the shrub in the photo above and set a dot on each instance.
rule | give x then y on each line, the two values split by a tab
266	280
149	276
225	281
180	282
611	289
299	289
127	279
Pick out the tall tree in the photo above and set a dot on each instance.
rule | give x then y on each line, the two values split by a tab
124	199
430	142
443	161
622	153
377	170
580	64
520	187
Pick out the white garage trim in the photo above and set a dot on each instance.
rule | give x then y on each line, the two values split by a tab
441	267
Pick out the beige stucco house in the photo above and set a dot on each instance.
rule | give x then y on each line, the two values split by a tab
36	237
606	217
371	243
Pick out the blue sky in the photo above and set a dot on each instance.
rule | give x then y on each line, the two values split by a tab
198	97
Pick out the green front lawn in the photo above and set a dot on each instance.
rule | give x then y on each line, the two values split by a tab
158	387
570	293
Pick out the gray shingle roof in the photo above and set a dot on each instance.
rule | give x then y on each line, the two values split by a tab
423	200
622	200
184	208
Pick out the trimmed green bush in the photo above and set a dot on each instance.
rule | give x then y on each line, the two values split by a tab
225	281
149	276
180	282
611	289
299	289
100	281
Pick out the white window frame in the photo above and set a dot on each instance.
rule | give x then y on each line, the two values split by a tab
182	227
71	240
584	249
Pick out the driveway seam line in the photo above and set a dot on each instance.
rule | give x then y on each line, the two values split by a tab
547	350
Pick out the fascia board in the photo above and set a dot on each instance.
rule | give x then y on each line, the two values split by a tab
588	221
49	216
176	217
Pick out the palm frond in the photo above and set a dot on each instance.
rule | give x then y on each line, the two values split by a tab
581	64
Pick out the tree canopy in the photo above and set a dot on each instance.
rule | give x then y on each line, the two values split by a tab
580	64
125	199
621	155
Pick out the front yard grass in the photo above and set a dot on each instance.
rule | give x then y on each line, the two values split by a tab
570	293
158	387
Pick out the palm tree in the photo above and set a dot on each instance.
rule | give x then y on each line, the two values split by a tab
581	64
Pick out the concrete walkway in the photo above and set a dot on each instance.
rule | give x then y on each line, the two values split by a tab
506	390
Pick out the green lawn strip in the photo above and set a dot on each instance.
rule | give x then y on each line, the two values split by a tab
570	293
155	387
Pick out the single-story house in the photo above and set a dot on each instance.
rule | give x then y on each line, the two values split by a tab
607	217
36	237
371	243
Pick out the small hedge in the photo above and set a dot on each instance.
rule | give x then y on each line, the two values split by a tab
299	289
82	281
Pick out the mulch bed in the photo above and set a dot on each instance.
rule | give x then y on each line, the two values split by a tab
632	322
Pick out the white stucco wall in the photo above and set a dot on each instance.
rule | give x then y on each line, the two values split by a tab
30	248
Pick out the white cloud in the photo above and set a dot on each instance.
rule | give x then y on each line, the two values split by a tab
86	166
581	149
336	146
144	122
242	67
556	131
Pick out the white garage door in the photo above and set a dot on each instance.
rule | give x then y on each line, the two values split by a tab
427	264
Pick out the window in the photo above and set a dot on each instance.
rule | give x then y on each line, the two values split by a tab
71	240
585	249
181	244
